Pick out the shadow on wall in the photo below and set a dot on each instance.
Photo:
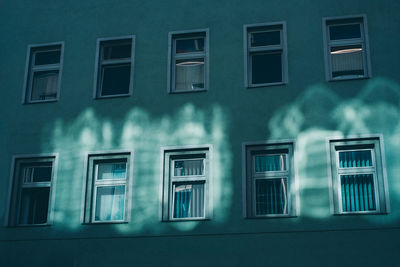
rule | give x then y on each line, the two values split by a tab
320	113
140	132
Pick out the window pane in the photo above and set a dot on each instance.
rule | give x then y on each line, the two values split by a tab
265	38
110	203
349	31
189	74
190	45
117	50
44	85
37	174
47	57
34	205
271	196
267	163
188	200
266	68
109	171
351	159
189	167
116	79
347	60
357	192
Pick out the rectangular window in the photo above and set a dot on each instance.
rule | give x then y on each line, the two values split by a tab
31	191
107	188
269	180
265	54
114	67
188	61
43	73
357	176
186	184
346	44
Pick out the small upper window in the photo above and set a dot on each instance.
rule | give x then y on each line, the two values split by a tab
358	176
43	73
265	54
188	61
114	67
32	191
346	48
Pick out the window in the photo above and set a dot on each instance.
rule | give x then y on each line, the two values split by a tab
346	46
186	180
265	54
188	61
31	201
107	188
357	176
114	67
269	180
43	73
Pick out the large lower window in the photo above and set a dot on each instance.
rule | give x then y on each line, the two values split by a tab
346	48
357	176
269	180
43	72
32	190
114	66
186	183
265	50
188	61
107	188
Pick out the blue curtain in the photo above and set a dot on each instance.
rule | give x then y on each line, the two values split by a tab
358	192
189	201
267	163
351	159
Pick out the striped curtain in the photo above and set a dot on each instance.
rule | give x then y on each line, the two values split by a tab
357	192
351	159
45	85
268	163
189	201
347	59
271	196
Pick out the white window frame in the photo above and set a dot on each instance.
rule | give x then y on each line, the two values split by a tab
30	69
89	193
378	170
168	156
172	56
248	29
249	176
363	41
98	84
16	185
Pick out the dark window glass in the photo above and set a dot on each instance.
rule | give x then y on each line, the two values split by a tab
34	205
349	31
116	79
265	38
47	57
190	45
271	196
37	174
117	50
266	68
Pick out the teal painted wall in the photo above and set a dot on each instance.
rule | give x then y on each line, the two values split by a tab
307	109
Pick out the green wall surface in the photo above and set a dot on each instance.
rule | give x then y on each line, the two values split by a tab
307	109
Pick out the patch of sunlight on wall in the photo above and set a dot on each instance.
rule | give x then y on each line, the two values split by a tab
145	135
312	170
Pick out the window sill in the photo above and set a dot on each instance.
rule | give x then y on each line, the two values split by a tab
362	213
252	86
348	78
276	216
111	96
188	91
187	220
40	101
105	222
29	225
